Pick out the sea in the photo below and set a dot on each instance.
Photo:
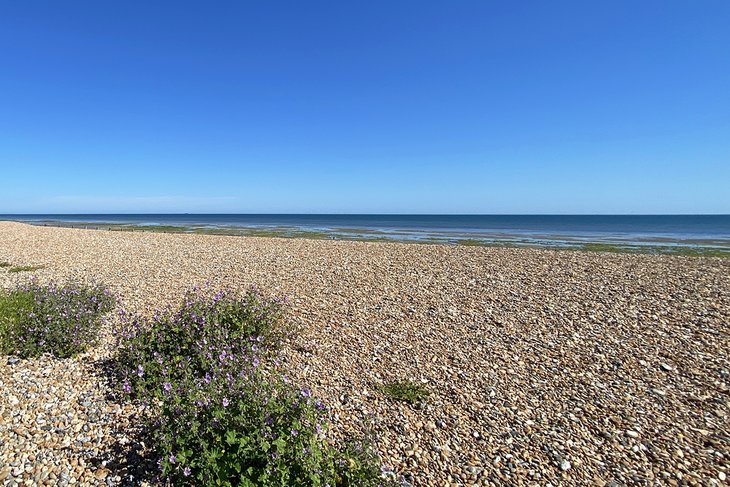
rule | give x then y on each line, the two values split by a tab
706	231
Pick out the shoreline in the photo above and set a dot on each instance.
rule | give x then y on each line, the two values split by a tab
656	245
544	366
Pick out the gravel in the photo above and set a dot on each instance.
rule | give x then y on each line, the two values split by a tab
544	366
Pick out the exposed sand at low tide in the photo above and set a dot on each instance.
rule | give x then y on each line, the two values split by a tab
545	366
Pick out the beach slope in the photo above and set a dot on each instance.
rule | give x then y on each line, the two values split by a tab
543	366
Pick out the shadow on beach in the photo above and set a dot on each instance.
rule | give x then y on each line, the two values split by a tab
129	455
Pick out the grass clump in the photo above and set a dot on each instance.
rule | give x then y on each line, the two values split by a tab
63	320
407	391
25	268
5	264
15	307
219	409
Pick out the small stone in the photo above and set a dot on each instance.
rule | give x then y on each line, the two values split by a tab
101	473
565	465
632	433
666	367
721	476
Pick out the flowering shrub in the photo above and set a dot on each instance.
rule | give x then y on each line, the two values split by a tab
59	319
220	411
203	336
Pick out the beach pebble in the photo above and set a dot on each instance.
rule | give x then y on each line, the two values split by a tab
531	356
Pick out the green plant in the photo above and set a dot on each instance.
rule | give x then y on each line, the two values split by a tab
5	264
407	391
220	411
25	268
61	320
357	463
14	308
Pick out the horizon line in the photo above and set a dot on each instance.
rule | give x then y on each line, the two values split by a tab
369	214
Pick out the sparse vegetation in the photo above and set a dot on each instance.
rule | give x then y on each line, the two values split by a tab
220	410
14	308
25	268
61	320
410	392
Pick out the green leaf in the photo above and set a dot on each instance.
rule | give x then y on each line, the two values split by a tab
280	444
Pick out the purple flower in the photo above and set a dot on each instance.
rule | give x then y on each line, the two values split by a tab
186	472
306	392
167	386
173	458
225	402
207	378
127	388
255	362
294	433
140	370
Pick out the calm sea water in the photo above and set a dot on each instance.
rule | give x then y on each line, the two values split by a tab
706	230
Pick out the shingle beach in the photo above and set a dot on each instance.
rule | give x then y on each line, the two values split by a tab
544	366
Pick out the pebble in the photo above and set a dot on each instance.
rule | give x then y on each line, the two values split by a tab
532	356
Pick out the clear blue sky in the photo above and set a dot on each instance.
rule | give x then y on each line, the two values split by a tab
365	107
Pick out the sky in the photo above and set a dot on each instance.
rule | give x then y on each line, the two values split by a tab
618	107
